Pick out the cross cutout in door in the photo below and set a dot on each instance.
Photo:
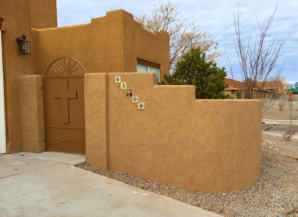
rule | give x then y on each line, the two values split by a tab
65	96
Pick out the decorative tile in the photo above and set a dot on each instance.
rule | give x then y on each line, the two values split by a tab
123	85
117	79
141	105
135	99
129	93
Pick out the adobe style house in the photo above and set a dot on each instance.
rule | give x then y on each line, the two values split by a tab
92	89
238	90
114	43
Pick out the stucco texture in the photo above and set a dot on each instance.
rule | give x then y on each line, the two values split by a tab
107	44
199	145
19	17
96	119
32	113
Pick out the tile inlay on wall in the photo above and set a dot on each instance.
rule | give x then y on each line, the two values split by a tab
129	92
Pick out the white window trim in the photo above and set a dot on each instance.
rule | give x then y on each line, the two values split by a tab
2	103
148	70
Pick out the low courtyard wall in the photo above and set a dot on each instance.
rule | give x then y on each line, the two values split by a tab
199	145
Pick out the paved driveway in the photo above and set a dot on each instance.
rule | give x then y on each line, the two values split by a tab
48	185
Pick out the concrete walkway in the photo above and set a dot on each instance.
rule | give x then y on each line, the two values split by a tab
48	185
280	122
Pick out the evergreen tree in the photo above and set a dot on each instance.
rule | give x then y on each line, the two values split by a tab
194	69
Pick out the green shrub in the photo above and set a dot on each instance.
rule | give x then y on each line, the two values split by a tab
194	69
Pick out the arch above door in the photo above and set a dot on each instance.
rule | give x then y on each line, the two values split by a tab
65	67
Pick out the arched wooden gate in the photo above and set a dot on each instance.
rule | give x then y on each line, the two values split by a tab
64	106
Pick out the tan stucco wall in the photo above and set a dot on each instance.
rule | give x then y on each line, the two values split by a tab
96	119
19	17
104	45
201	145
43	13
107	44
32	113
139	43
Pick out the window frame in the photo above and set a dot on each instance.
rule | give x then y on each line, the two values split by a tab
149	64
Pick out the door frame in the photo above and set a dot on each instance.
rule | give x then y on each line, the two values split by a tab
70	68
2	103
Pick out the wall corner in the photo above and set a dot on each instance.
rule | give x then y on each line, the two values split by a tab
96	136
32	113
118	12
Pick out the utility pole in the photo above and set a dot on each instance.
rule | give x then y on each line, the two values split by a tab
291	99
291	91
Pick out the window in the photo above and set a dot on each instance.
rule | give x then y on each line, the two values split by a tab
146	66
247	95
238	95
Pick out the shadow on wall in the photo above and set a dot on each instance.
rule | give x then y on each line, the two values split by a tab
199	145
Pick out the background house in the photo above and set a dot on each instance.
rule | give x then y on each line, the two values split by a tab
238	89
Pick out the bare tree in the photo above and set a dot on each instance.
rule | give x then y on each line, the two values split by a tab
183	36
273	89
257	58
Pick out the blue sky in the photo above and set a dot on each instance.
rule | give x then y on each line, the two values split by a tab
212	16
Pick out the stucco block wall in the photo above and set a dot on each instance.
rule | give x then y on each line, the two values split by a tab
32	113
19	17
107	44
142	44
200	145
96	119
100	46
43	13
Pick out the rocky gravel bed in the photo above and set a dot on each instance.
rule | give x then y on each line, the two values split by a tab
274	194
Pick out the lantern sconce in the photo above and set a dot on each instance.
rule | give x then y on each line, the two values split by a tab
23	44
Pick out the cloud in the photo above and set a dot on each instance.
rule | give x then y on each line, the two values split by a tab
213	16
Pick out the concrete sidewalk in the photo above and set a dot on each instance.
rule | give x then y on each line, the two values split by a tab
280	134
279	122
48	185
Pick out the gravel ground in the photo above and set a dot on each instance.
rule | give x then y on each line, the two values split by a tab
274	194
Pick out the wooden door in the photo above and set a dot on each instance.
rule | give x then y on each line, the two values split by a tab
64	109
